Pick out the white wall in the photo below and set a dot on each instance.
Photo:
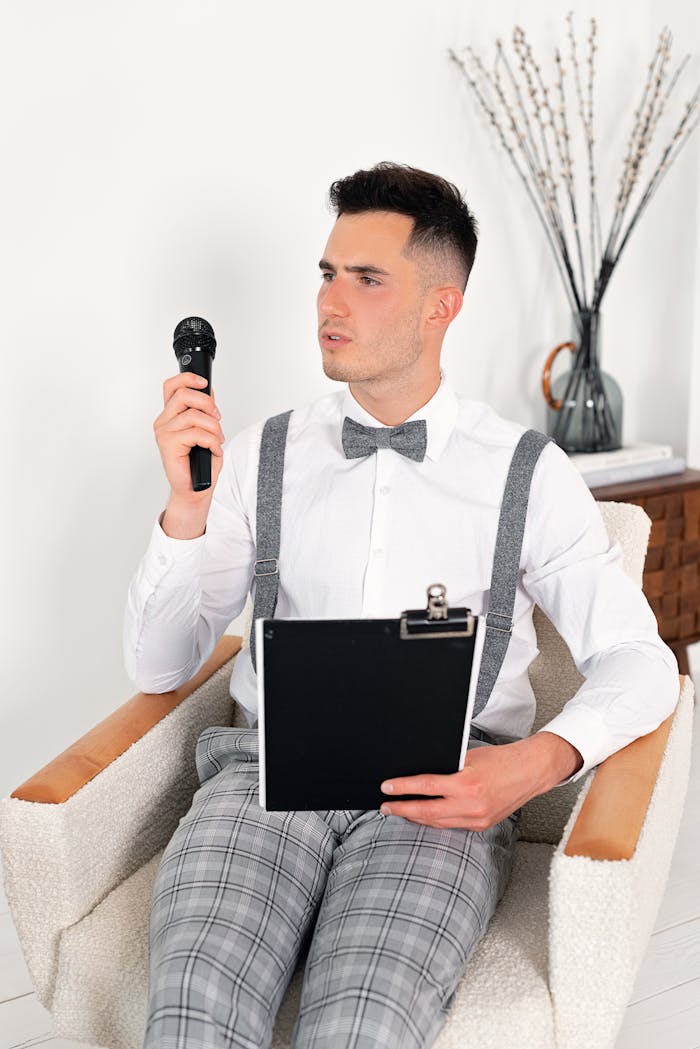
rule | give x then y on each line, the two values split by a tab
166	159
694	389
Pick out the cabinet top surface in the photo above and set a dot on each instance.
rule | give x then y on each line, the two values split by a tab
650	486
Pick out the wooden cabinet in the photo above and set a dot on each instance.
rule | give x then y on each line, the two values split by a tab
672	568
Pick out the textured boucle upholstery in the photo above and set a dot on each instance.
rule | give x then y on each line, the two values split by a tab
602	913
78	878
59	861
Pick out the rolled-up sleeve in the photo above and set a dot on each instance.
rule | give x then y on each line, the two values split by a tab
186	592
575	573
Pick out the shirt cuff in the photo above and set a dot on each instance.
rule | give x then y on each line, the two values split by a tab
171	562
583	730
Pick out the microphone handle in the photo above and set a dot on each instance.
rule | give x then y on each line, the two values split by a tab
200	468
199	363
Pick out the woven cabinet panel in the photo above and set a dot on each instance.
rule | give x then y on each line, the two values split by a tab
672	566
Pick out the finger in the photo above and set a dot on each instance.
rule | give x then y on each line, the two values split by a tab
175	382
175	435
437	824
202	438
194	417
419	811
429	818
184	398
424	784
188	395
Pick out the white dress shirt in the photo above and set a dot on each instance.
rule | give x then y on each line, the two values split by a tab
366	537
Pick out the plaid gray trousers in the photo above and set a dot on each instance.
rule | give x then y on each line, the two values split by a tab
389	910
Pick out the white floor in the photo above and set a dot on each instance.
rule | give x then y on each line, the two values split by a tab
664	1012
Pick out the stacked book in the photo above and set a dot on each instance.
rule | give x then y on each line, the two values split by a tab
633	462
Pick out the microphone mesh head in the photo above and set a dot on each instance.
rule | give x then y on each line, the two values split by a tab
193	332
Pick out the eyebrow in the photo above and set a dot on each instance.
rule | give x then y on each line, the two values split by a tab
325	265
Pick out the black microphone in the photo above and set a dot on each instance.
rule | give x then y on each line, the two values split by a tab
195	348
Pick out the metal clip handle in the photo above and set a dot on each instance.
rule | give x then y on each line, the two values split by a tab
417	623
437	601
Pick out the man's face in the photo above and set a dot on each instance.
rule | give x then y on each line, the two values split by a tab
379	313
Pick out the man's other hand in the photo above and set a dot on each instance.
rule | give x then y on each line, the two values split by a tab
495	781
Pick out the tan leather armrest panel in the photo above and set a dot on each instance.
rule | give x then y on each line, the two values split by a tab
615	807
89	755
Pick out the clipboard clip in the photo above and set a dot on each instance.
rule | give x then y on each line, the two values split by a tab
437	620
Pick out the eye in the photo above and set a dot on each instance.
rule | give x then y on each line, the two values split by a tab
363	276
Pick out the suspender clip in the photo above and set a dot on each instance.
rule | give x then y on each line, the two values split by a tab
507	629
266	560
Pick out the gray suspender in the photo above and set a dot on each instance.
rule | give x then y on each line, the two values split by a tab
506	562
506	558
269	514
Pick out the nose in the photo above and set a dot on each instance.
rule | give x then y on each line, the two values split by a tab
331	301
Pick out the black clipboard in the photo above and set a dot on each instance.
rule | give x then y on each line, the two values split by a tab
344	704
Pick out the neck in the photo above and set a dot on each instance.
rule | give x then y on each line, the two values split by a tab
391	403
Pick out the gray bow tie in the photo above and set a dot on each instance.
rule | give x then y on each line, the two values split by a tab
409	438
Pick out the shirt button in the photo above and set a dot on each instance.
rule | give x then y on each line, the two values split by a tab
162	559
377	551
385	489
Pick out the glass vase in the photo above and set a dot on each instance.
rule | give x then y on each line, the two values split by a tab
584	405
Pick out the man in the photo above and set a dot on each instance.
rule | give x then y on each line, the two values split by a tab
390	903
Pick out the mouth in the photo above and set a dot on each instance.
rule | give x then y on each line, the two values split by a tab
332	338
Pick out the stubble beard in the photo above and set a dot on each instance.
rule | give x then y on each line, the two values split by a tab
349	369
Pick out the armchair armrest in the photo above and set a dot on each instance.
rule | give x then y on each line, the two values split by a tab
608	875
104	807
93	752
611	817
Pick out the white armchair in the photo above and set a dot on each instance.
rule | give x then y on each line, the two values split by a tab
82	839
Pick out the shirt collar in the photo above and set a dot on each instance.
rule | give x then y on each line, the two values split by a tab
440	414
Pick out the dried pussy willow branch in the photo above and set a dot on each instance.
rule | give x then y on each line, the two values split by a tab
535	161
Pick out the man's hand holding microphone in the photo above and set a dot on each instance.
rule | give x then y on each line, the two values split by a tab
188	432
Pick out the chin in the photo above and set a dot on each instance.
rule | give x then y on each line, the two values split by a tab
342	371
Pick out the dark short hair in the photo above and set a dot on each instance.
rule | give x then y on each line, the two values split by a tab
443	224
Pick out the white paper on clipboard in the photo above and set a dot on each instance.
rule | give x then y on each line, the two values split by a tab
476	669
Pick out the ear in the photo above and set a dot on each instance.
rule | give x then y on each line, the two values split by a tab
443	305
